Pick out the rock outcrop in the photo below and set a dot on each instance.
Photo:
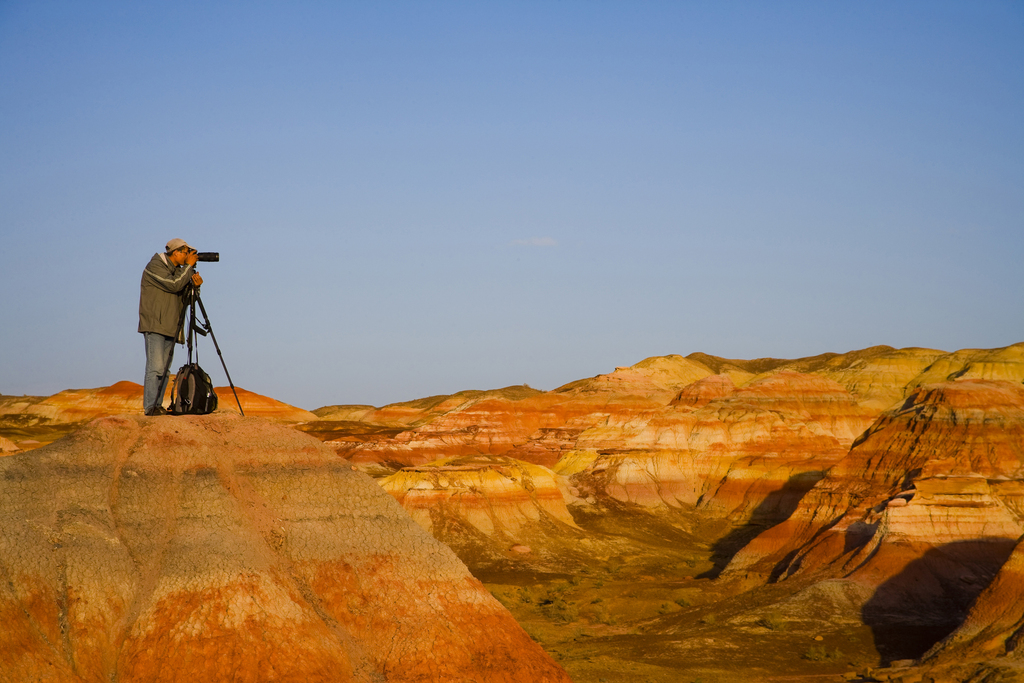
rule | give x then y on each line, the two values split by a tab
256	405
881	376
492	510
420	411
924	510
945	466
493	426
492	494
76	405
991	634
658	378
222	548
738	452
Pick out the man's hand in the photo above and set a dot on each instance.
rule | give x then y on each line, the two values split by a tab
197	279
192	257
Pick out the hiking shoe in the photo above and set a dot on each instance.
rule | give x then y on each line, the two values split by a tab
158	410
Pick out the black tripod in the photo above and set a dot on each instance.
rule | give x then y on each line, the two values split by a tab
189	300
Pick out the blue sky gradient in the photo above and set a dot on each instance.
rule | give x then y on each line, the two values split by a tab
413	198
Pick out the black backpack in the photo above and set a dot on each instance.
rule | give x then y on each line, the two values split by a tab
193	392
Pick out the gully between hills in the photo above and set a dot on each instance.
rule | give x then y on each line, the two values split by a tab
843	517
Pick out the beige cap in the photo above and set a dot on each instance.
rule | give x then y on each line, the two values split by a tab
176	243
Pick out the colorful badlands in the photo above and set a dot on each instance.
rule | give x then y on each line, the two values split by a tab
222	548
846	517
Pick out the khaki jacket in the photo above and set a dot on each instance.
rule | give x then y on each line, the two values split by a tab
161	303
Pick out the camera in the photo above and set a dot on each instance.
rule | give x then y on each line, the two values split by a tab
211	256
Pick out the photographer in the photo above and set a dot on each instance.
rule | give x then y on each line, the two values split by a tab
161	319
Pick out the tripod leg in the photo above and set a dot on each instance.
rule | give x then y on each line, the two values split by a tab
206	320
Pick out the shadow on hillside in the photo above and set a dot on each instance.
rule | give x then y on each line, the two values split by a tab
775	508
931	596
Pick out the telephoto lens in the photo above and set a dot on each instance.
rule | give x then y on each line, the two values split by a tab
208	256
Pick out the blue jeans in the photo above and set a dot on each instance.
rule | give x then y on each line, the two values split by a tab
159	351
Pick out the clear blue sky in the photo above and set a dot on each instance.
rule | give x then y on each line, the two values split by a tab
413	198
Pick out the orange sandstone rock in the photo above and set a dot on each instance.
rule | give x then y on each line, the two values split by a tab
881	376
704	391
221	548
498	496
658	378
924	509
420	411
255	405
1005	364
995	623
751	451
493	426
81	405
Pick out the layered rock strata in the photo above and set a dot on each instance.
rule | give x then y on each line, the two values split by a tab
924	510
492	494
493	511
741	439
257	405
945	465
76	405
420	411
993	630
492	426
738	452
222	548
658	378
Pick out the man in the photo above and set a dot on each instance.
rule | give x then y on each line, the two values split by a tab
161	315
